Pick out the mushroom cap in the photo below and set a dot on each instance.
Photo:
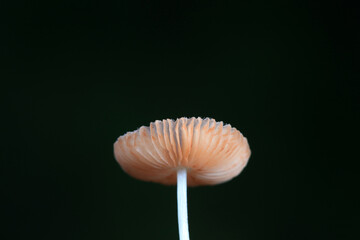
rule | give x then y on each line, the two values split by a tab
211	152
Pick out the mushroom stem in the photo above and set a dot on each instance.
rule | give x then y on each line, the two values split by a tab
182	204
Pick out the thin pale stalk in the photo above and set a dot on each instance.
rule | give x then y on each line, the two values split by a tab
182	204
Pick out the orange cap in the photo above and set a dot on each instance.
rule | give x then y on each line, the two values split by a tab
211	152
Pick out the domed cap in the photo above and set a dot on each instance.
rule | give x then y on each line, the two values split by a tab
211	152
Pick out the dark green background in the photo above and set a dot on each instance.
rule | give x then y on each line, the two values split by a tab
78	74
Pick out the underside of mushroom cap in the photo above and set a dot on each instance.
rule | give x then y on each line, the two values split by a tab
211	152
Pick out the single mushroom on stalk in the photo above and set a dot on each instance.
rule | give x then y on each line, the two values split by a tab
186	152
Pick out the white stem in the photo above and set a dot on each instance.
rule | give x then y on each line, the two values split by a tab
182	204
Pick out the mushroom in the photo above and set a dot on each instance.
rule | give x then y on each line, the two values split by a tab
186	152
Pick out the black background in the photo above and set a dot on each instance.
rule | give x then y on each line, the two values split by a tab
78	74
